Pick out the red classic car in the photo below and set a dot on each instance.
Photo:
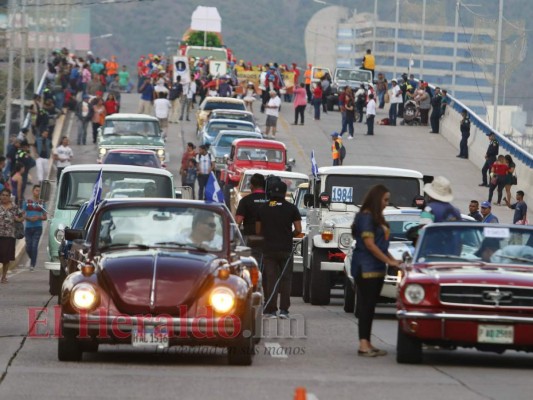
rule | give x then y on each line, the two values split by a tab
254	153
156	273
468	285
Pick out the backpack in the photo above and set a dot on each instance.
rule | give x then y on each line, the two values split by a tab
342	152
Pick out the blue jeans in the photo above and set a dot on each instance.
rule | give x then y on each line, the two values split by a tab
32	236
317	103
393	112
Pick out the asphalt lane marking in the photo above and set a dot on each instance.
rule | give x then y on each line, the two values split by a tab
275	350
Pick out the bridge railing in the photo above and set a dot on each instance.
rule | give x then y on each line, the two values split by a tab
478	143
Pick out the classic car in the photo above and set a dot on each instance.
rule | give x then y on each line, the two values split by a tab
400	221
75	187
291	179
221	145
212	127
215	103
236	115
158	273
146	158
467	285
253	153
131	131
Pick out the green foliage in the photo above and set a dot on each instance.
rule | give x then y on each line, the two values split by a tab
196	38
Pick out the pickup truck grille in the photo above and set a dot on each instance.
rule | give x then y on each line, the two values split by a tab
486	296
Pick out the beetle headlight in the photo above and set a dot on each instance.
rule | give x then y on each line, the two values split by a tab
345	240
59	235
84	297
161	152
222	300
414	293
102	151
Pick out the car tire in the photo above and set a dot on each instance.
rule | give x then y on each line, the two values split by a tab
320	287
349	296
408	349
62	277
55	283
297	284
243	351
68	346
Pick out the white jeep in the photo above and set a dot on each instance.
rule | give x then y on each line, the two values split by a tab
334	198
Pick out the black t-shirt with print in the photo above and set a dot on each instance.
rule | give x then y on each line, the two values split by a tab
277	217
249	208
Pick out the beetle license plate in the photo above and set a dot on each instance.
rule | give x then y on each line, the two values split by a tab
500	334
150	337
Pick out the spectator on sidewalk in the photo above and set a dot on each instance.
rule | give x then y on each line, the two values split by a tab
520	209
300	102
9	214
370	114
395	101
465	134
62	155
490	157
44	152
486	212
473	209
35	215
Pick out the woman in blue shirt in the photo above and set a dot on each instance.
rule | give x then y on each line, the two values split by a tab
369	262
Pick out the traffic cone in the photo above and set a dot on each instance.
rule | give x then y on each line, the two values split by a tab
300	393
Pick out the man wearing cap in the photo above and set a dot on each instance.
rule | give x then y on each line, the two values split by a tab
395	101
272	112
490	158
275	222
488	216
465	134
336	149
439	208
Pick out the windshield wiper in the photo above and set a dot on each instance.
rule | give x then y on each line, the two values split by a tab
128	245
182	245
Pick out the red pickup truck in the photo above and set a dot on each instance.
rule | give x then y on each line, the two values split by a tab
254	153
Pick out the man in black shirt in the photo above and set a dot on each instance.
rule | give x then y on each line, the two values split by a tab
435	111
247	211
275	222
490	157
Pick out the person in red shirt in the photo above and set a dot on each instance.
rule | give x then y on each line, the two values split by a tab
111	104
317	100
498	174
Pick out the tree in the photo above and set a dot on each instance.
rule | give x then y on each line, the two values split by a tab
196	38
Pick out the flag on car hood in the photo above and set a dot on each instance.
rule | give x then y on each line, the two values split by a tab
314	166
213	192
96	196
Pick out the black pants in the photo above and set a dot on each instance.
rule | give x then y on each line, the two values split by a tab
434	119
96	125
202	181
370	124
486	168
368	291
463	147
500	184
273	264
299	110
308	91
360	107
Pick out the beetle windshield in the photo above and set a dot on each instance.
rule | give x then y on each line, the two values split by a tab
182	227
488	244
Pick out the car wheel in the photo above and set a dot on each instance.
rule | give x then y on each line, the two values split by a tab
68	346
408	349
55	283
297	284
319	280
349	296
89	347
62	277
243	351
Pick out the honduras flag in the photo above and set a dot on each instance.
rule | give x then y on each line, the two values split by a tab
96	196
213	192
314	166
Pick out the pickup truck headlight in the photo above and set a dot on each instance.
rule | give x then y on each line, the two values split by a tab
345	240
414	293
102	151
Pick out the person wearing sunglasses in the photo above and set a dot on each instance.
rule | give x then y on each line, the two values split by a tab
203	233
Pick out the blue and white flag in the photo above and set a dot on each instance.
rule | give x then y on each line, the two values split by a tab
96	196
314	166
213	192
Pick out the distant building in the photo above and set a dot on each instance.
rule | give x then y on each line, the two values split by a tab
461	62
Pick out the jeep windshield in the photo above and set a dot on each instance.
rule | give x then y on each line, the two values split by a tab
351	75
292	183
131	128
351	189
260	154
77	186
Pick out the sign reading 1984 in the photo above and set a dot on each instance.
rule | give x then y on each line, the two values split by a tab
341	194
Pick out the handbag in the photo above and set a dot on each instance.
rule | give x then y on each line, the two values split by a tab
19	230
514	180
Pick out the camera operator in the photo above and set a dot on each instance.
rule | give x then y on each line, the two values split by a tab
247	211
275	222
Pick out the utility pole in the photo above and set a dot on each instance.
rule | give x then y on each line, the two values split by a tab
23	48
455	42
36	44
396	29
11	58
498	58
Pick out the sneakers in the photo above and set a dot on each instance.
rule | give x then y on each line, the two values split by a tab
32	269
350	137
269	316
284	314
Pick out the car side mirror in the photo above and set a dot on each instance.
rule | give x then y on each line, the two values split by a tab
74	234
308	200
427	178
406	257
325	199
46	190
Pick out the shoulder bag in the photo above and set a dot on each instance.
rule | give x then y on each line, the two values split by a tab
19	230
